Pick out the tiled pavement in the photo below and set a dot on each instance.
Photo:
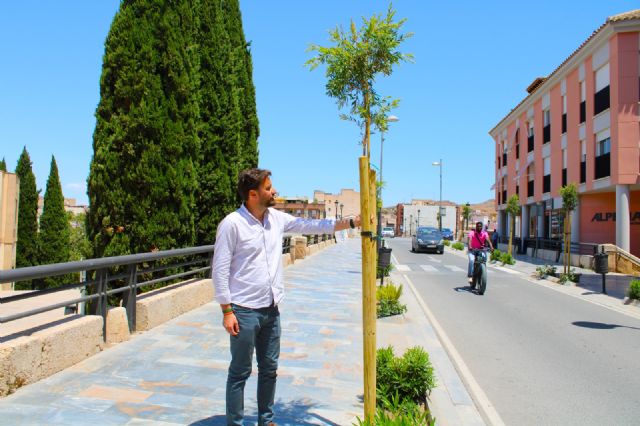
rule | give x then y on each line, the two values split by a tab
175	374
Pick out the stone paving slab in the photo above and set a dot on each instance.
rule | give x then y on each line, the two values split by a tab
175	374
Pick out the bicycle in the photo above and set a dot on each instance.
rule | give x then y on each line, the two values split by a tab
479	276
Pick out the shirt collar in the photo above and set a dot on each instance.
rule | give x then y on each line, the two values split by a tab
245	212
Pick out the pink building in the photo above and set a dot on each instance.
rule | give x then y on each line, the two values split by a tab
580	124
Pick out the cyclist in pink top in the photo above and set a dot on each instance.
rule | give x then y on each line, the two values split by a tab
477	240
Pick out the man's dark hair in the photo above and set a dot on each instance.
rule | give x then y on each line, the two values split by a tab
478	223
251	179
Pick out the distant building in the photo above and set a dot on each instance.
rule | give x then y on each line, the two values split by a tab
411	216
70	205
578	125
301	207
348	203
9	196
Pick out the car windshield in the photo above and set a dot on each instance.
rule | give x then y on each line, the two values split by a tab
446	230
388	229
429	234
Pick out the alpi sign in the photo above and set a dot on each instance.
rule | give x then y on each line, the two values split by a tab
611	216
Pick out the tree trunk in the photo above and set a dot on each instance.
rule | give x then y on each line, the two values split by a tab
513	225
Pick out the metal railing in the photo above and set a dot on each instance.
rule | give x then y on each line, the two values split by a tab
120	276
110	276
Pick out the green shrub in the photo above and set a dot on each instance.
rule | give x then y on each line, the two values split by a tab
388	297
634	289
495	255
396	412
543	271
386	270
570	276
410	376
446	243
457	245
507	259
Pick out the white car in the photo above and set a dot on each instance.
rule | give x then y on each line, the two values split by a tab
388	231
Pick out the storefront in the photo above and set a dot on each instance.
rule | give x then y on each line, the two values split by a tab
598	219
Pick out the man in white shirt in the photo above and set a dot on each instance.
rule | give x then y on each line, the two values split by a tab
247	275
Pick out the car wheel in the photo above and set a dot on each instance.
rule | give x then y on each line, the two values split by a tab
413	249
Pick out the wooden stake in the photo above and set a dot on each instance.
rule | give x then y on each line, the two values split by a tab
367	207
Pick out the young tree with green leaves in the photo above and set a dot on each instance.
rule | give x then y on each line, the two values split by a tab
3	165
142	180
513	210
53	239
569	194
353	62
466	215
27	245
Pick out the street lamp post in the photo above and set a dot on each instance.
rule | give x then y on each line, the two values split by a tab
336	203
439	164
390	119
418	221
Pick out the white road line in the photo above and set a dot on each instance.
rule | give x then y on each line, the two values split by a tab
453	268
433	259
429	268
403	268
507	270
487	409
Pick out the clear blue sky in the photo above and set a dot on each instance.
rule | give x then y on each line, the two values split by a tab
473	61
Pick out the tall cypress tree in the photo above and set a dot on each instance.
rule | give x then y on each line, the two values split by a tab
244	85
229	125
53	239
3	165
142	179
27	245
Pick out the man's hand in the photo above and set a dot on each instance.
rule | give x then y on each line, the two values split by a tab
230	323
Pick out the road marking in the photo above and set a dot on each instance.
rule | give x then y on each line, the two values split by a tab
403	268
507	270
433	259
454	268
487	410
429	268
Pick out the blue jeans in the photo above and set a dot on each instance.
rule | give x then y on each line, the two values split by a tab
259	330
472	257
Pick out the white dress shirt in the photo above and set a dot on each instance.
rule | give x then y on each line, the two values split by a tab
247	261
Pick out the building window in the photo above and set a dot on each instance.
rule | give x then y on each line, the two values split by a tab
603	158
517	143
546	131
583	161
530	180
601	97
564	114
504	158
564	167
518	190
530	138
583	102
546	180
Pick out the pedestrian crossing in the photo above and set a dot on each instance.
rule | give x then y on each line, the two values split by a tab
442	268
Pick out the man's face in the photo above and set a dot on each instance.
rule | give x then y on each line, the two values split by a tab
266	194
478	227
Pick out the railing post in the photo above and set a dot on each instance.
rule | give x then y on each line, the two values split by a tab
209	273
130	297
102	276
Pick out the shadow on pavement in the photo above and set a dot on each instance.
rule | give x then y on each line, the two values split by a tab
600	325
295	412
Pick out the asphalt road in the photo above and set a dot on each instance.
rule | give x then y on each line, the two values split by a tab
541	357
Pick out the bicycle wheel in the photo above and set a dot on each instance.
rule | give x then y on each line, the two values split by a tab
482	279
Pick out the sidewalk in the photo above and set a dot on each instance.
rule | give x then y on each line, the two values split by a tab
175	373
589	288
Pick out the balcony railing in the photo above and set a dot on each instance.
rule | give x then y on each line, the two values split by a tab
546	184
530	189
530	143
546	133
603	166
601	100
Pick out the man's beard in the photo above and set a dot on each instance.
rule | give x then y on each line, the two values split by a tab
269	202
